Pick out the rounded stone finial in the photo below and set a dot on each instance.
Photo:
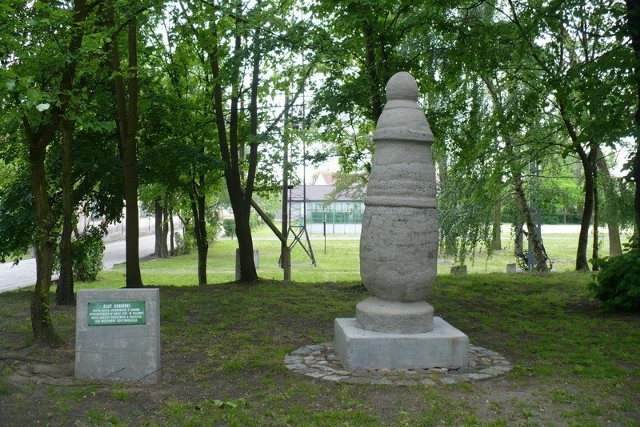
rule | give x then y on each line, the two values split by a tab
402	85
402	119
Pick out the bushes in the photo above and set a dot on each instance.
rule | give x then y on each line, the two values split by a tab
229	227
86	253
184	244
617	284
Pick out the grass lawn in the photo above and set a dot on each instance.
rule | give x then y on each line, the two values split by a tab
337	259
223	347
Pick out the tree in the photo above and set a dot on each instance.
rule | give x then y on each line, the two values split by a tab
64	289
633	30
613	205
240	27
372	43
180	155
551	68
126	99
440	45
515	172
17	211
579	69
82	129
41	70
52	80
229	145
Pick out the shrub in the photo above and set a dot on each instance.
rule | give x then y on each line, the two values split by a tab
184	244
88	251
86	255
617	284
229	227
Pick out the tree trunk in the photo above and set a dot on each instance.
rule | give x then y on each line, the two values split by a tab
128	127
229	153
518	247
40	315
496	239
248	272
615	246
64	290
164	250
172	233
633	21
595	254
285	253
516	179
134	279
534	237
200	228
588	162
39	140
203	252
157	228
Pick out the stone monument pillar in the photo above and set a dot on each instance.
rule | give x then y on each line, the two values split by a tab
395	327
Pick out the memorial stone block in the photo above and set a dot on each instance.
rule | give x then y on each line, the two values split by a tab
118	335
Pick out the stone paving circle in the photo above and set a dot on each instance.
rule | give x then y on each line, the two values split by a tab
320	361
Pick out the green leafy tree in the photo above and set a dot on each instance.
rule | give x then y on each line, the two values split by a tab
632	27
52	90
357	50
17	213
239	41
39	78
126	101
180	154
548	71
578	66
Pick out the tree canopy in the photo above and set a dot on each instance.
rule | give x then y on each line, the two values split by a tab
107	101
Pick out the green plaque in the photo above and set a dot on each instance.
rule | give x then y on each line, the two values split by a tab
116	313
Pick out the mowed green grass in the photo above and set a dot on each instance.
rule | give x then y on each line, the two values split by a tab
223	347
337	259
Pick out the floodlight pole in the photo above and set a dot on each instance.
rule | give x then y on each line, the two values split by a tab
532	261
286	224
309	248
285	251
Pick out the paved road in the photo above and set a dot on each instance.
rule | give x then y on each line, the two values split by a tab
23	274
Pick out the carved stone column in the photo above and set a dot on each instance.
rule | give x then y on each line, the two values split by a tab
399	240
395	327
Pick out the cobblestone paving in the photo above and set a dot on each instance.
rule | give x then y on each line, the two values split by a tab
320	361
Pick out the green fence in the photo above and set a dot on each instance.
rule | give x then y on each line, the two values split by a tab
335	213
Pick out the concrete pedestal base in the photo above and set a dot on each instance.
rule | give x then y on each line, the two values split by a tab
442	347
